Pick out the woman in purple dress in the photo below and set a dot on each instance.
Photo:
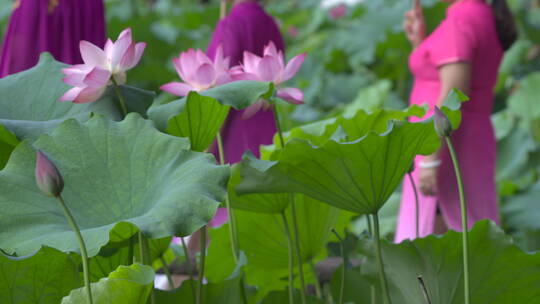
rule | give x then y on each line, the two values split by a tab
54	26
247	28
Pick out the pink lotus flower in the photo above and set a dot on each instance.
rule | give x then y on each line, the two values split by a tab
271	67
198	72
89	80
338	11
48	179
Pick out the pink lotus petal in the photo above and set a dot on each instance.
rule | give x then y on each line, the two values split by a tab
291	95
244	76
250	63
253	109
188	65
109	45
338	11
202	58
269	69
270	49
88	94
92	55
177	88
120	47
293	66
74	77
205	75
132	56
97	78
71	94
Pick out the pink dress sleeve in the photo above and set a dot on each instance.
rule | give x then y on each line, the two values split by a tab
455	43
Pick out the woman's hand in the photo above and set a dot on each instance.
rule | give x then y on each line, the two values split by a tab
415	25
428	181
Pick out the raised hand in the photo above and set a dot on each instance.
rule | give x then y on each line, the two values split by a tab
414	24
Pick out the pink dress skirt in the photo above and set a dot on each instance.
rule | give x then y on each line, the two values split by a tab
468	34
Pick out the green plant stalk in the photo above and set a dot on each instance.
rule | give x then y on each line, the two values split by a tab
144	250
167	272
202	263
416	205
233	232
291	259
297	249
373	293
378	253
294	218
130	251
121	100
318	291
464	220
190	267
344	261
82	247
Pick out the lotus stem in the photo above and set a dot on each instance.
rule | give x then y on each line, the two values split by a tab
373	293
424	289
190	268
202	263
82	247
464	224
291	259
233	232
167	272
297	249
416	205
344	259
145	258
121	100
378	253
318	291
130	251
294	217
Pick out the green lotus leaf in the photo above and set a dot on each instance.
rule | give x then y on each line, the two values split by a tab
357	176
352	125
500	272
115	254
45	277
202	121
126	285
257	202
116	174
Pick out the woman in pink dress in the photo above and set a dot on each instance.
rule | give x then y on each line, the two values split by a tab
463	52
54	26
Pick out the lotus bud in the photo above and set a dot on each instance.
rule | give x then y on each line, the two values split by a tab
48	179
442	124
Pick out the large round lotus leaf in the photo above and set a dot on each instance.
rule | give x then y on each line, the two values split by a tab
358	176
115	173
500	273
126	285
45	277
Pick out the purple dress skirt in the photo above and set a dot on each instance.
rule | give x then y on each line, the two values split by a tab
38	26
247	28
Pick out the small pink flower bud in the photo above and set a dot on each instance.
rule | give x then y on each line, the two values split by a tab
442	124
48	179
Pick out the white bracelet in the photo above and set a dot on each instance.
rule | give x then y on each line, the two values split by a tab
429	165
